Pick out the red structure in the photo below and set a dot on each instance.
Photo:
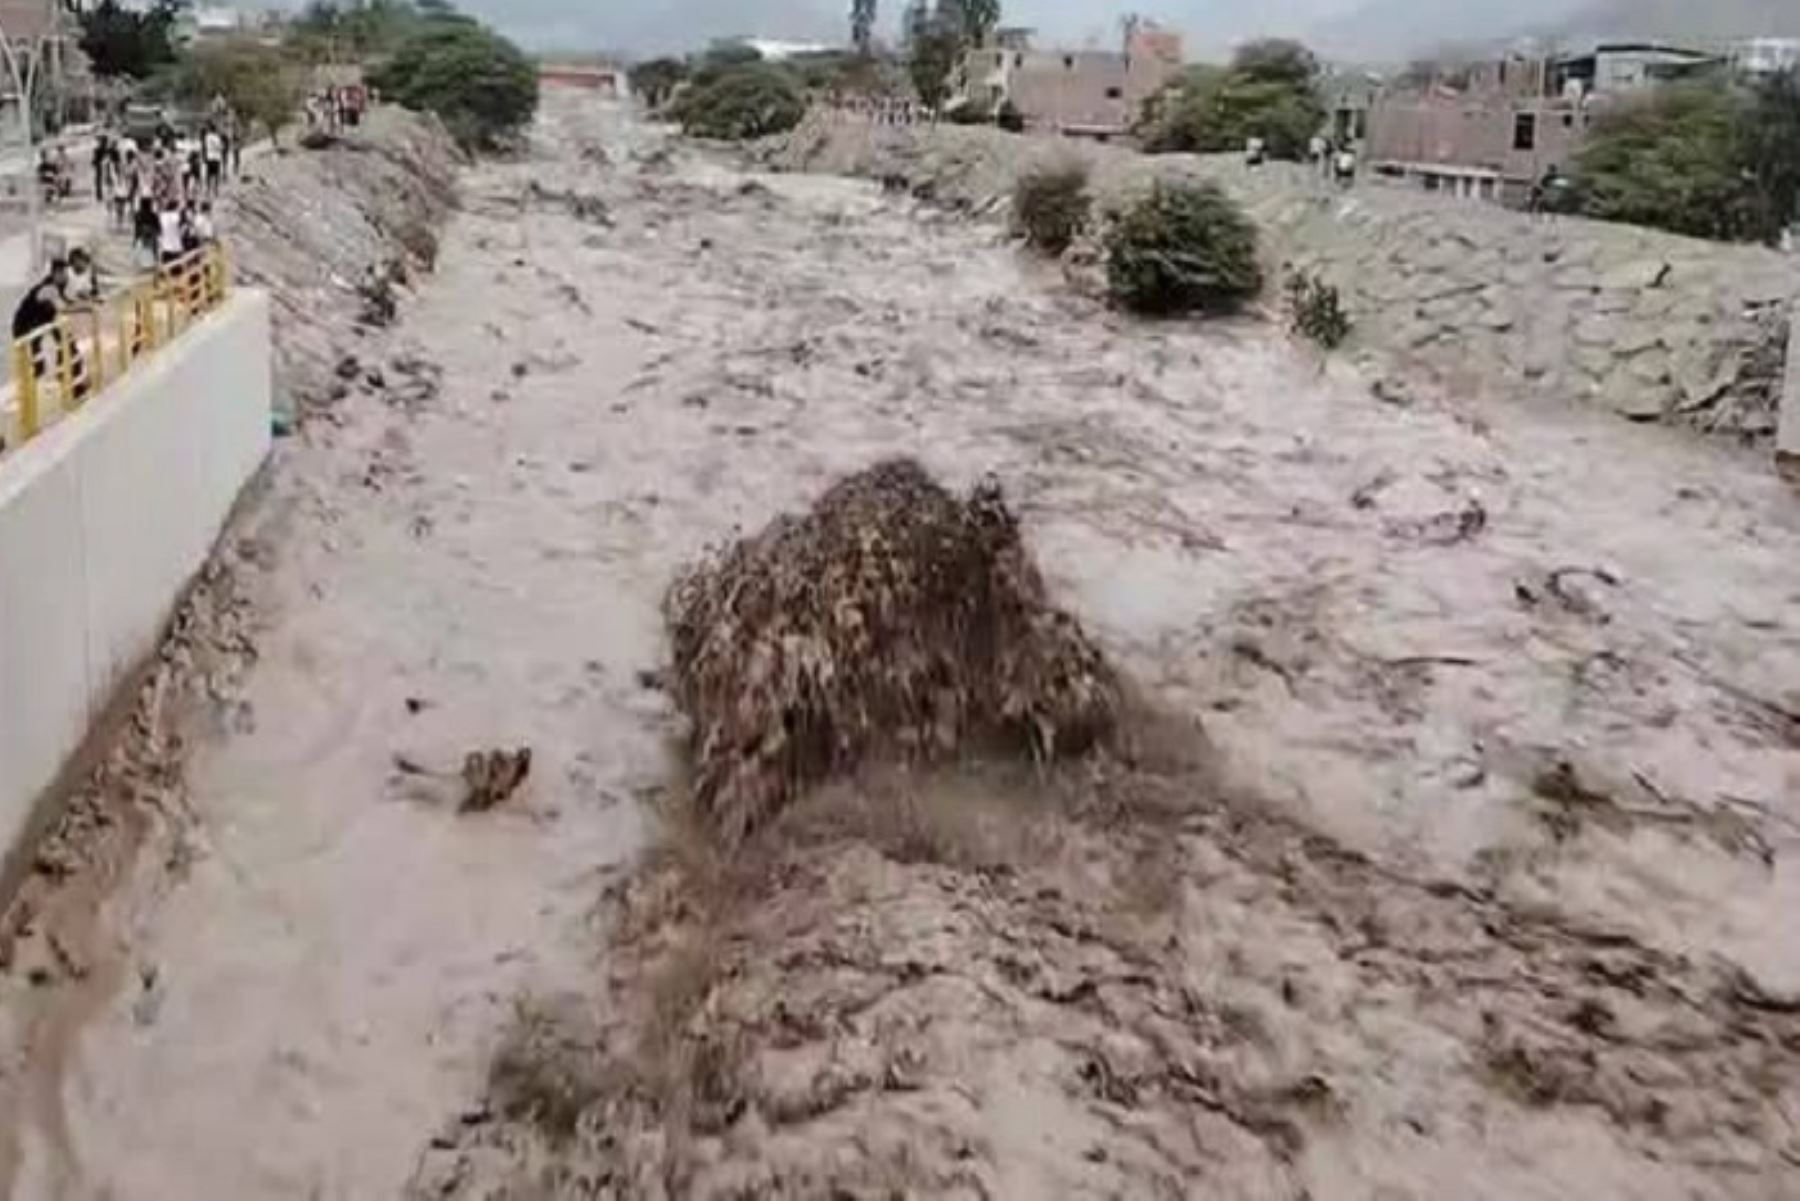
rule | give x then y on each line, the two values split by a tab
593	77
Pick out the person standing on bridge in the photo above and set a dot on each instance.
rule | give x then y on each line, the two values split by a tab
102	159
82	286
34	320
165	186
212	153
145	230
171	230
42	301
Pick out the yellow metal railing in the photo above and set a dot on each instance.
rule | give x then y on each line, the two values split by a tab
60	367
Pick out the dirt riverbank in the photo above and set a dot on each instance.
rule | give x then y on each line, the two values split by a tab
1459	864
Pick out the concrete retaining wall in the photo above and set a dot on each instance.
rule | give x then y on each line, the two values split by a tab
1650	325
103	521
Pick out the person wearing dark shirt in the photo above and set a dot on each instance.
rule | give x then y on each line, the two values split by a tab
103	157
42	301
145	228
39	308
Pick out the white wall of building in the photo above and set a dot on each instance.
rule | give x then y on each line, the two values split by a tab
104	518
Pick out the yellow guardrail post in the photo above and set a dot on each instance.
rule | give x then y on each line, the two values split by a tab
65	364
25	387
72	349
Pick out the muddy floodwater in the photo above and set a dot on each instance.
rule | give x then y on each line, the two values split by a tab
1532	650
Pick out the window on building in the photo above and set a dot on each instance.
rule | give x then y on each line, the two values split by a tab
1068	62
1114	93
1525	131
999	60
1018	60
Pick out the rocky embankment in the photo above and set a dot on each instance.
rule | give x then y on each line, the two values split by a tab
329	232
1473	297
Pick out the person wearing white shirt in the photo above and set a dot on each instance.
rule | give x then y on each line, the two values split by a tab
212	151
168	235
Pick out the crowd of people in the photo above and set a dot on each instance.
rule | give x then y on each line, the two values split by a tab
336	109
164	193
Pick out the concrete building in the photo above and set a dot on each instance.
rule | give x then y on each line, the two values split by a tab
1759	57
1088	93
1491	131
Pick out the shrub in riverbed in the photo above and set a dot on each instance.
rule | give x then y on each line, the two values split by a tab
894	621
742	102
1182	248
1051	206
1316	310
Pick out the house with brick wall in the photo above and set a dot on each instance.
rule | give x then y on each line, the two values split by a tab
1492	130
1082	93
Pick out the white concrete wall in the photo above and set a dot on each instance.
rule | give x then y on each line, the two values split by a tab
104	518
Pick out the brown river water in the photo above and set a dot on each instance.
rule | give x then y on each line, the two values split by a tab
295	1008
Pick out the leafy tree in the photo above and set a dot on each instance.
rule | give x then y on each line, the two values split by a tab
971	20
656	80
862	25
261	85
1771	150
722	55
934	41
1675	159
1268	92
326	30
1276	60
121	41
479	83
749	101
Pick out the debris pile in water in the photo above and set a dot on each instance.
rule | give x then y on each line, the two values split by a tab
893	620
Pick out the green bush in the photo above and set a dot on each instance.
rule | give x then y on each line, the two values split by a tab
655	81
1051	206
749	101
481	85
1705	159
1316	310
1182	248
1268	92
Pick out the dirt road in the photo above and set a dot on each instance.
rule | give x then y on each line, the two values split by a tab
1539	657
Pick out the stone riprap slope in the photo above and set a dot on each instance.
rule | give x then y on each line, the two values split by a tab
311	226
1478	298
